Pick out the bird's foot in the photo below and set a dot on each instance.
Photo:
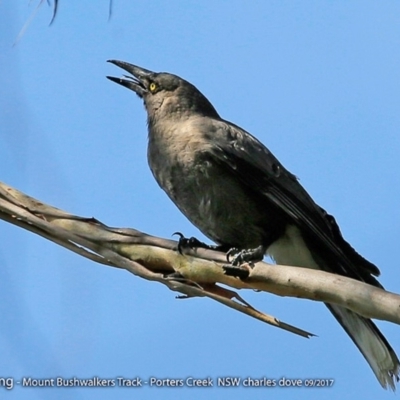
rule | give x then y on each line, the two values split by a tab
190	243
243	261
246	255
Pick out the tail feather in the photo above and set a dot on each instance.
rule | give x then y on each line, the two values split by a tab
295	249
372	344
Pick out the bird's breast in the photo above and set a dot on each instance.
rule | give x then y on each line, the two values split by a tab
207	195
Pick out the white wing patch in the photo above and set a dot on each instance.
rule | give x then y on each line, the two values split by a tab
291	249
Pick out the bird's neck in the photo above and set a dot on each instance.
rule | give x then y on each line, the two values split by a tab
181	108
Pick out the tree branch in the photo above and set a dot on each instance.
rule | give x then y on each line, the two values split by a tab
195	273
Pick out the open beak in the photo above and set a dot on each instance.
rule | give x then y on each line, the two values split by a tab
138	81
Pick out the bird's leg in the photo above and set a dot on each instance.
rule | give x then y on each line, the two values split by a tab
242	260
194	243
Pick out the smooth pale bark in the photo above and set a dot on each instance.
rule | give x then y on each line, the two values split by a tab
197	272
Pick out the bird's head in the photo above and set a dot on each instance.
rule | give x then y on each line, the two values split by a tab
164	94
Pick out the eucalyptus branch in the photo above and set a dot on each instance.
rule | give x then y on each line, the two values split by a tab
197	272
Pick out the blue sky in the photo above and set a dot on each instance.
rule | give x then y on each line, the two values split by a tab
316	81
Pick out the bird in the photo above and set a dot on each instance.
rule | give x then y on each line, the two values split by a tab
237	193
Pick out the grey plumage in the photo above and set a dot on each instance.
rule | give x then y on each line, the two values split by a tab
237	193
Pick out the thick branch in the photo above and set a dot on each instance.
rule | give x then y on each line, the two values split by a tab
197	272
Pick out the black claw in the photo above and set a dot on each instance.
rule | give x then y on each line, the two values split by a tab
191	242
246	256
242	261
179	234
180	241
230	252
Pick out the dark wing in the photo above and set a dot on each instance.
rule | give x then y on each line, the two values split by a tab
257	168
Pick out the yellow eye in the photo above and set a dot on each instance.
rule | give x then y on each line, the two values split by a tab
152	87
